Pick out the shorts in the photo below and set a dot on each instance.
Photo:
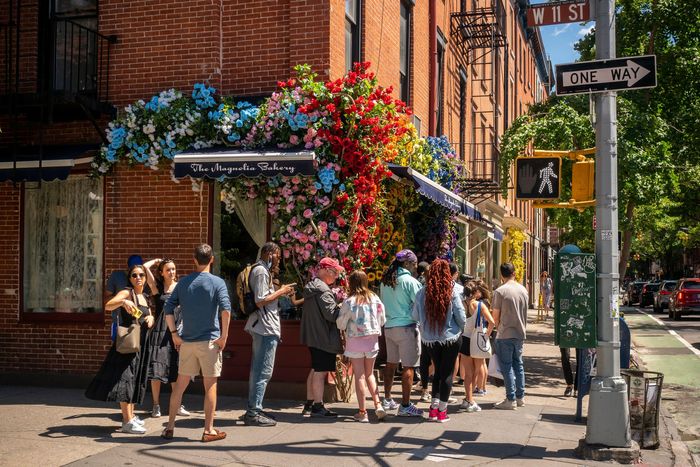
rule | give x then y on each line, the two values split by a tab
371	354
322	360
403	345
204	356
465	345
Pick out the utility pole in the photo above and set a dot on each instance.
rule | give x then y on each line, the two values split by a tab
608	410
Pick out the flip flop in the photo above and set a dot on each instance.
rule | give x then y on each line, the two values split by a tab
209	437
167	434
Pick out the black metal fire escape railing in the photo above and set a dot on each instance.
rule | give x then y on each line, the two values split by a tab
478	35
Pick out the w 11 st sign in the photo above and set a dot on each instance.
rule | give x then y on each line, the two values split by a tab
617	74
545	14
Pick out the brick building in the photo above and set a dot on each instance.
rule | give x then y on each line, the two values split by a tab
466	68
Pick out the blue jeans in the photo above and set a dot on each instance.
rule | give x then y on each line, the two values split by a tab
510	357
261	365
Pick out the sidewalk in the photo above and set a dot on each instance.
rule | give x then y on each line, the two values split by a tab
47	426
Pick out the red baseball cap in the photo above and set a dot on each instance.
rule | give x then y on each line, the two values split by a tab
330	263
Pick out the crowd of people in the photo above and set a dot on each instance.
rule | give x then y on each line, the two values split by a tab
431	318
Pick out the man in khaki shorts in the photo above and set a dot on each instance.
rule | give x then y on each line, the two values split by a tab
201	296
398	292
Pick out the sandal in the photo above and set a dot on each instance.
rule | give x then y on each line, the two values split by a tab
209	437
167	434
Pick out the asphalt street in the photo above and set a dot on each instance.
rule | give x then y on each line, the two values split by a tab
672	348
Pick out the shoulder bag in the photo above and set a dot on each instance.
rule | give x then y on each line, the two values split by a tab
128	337
479	343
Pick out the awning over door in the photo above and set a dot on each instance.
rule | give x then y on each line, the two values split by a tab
436	192
49	163
230	163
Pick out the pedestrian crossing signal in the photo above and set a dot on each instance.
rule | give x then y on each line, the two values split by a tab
538	178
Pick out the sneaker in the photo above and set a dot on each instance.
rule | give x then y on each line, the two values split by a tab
133	428
505	404
361	417
409	411
520	402
389	404
479	392
442	416
432	414
380	412
138	420
322	411
426	397
268	415
258	420
473	407
182	411
155	412
307	408
451	400
569	391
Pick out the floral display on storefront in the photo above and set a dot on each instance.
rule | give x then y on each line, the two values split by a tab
350	209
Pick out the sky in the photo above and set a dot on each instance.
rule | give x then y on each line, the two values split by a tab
559	39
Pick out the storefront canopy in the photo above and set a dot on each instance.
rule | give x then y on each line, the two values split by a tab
48	163
229	163
436	192
494	231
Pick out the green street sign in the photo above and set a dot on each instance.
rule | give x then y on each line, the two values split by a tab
575	300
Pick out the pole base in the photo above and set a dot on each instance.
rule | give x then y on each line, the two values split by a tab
599	452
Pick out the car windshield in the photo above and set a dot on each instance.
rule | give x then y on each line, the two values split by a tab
694	285
669	285
653	287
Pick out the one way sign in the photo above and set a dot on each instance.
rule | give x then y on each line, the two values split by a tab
607	75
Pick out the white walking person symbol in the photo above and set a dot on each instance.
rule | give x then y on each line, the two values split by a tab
545	175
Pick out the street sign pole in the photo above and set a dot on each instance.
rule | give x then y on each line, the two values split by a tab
608	411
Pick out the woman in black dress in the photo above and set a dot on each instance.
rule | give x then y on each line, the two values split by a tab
122	377
163	357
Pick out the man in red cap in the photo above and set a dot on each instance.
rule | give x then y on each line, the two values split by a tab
320	333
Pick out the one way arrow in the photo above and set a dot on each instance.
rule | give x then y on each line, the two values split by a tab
631	73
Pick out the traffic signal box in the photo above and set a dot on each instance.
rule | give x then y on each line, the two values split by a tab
535	168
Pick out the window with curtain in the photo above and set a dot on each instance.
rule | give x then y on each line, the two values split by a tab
352	32
62	246
405	50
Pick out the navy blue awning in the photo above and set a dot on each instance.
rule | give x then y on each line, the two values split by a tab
436	192
230	163
494	231
47	164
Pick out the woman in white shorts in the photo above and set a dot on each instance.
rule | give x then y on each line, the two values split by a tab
361	319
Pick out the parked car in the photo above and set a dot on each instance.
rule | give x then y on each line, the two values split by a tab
685	299
634	292
662	296
647	296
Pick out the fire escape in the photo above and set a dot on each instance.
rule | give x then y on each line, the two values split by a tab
53	71
479	35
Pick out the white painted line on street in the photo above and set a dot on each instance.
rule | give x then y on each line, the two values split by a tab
673	333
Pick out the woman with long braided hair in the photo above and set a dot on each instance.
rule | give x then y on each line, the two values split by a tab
441	317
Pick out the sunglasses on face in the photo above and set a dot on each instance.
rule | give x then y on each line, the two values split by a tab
135	275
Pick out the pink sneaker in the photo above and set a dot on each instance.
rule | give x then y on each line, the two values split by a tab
433	415
442	417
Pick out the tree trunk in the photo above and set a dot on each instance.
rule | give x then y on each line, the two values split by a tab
627	240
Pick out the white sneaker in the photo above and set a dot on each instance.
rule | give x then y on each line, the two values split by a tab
380	412
505	404
474	408
133	428
138	420
389	404
183	412
155	412
426	397
520	402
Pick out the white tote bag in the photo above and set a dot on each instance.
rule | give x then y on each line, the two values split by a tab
495	368
479	343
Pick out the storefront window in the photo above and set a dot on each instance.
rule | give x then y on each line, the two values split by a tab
63	238
478	241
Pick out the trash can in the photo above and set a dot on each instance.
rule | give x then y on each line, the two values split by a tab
644	395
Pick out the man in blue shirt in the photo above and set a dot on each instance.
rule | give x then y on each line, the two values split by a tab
202	297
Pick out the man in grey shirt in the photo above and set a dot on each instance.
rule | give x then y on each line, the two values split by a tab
264	326
510	302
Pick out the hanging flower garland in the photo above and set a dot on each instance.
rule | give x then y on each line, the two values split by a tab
350	209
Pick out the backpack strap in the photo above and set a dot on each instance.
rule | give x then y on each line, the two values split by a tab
250	273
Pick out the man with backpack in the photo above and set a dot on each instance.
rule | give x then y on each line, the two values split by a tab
265	328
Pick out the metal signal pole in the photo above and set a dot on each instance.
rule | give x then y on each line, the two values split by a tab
608	410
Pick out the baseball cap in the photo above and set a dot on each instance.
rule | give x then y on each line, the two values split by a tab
406	255
134	260
330	263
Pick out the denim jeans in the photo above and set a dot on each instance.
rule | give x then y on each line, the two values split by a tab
261	365
510	357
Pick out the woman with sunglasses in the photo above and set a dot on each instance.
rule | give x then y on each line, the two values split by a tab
163	356
122	377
